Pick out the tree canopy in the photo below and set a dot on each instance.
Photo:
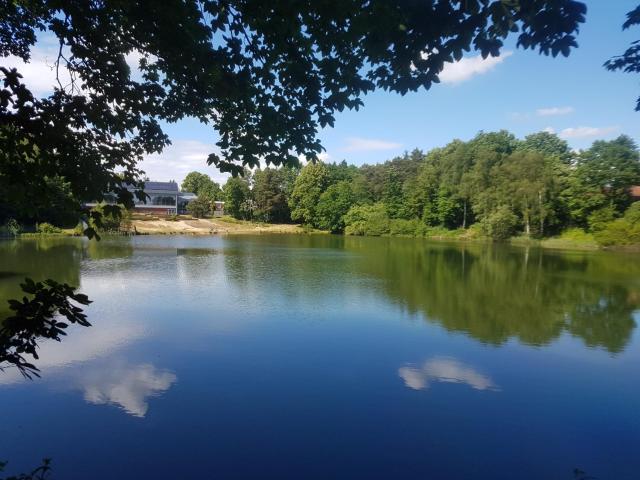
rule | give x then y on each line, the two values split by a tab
494	185
500	185
265	75
629	61
202	185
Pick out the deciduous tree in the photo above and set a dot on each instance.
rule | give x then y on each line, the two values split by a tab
312	181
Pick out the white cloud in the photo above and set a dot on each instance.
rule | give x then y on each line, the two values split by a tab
133	60
583	132
446	370
549	130
358	144
323	157
39	74
468	67
180	158
553	111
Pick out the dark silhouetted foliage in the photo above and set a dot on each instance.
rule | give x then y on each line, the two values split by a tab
629	61
36	317
265	75
41	472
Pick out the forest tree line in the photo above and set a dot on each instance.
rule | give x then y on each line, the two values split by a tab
494	185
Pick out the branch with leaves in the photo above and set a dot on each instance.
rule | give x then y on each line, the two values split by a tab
42	472
629	61
38	317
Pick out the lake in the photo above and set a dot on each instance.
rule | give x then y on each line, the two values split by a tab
328	357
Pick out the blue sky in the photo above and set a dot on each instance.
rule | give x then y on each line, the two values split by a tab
521	91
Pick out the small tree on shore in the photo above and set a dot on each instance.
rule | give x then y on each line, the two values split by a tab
13	227
199	208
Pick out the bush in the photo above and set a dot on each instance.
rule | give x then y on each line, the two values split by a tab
619	232
399	226
632	215
78	231
501	224
47	228
438	232
421	229
112	219
13	227
623	231
601	218
474	232
199	207
576	235
369	220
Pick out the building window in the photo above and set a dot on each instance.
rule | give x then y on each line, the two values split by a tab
163	200
110	199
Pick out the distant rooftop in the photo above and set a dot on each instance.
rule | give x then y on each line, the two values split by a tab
171	186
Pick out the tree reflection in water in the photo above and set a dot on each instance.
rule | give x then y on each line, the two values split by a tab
494	293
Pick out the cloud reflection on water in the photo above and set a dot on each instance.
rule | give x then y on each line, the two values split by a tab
90	360
80	346
128	386
444	369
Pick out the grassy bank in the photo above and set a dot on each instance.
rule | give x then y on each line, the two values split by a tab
142	224
571	239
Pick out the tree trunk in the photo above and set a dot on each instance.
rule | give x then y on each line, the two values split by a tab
541	213
464	215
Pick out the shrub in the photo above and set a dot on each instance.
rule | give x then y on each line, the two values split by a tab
576	235
399	226
421	229
47	228
500	224
632	215
199	207
112	219
355	220
438	232
13	227
474	232
369	220
623	231
619	232
599	219
78	231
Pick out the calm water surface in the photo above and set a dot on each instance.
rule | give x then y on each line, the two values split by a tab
321	357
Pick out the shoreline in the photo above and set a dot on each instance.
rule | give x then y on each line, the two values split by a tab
185	225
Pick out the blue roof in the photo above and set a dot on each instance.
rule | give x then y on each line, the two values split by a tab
170	186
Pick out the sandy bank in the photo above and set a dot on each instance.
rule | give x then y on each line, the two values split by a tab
202	226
